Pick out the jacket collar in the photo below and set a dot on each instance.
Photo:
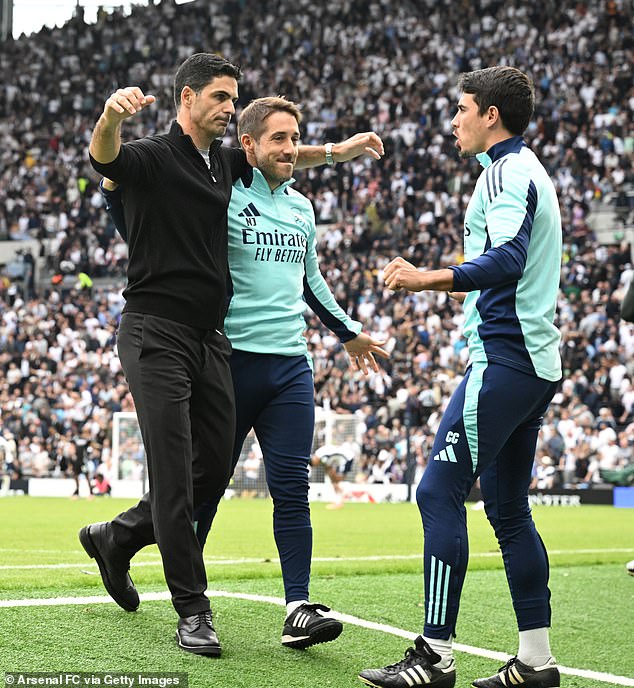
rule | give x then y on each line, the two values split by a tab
499	150
177	134
254	179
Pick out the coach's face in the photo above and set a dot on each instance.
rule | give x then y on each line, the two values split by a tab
469	127
274	152
206	114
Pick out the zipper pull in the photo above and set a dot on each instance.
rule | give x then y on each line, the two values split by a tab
214	179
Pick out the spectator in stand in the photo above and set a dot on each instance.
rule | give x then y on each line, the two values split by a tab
627	307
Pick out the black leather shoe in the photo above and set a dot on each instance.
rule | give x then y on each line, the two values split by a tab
196	634
113	562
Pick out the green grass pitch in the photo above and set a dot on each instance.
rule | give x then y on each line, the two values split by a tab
367	563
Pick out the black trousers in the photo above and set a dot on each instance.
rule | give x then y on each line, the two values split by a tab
180	381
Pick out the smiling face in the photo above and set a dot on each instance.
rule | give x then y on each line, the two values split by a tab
274	152
471	129
205	115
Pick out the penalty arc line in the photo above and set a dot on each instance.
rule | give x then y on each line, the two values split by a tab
346	618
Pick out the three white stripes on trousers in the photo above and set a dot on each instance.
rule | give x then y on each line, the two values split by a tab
440	572
438	592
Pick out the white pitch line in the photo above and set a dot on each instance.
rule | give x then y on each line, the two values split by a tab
45	551
275	560
216	562
346	618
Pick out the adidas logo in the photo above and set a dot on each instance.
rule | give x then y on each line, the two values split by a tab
249	211
415	676
300	620
514	676
447	454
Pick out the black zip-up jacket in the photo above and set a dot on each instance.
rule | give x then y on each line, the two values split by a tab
176	213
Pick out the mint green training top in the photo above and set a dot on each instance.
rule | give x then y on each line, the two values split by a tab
512	240
275	271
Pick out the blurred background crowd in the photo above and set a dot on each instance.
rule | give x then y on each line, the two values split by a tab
354	66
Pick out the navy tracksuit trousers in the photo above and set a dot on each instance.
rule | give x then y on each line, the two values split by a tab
275	396
489	430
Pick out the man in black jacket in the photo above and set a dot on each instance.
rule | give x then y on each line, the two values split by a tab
175	356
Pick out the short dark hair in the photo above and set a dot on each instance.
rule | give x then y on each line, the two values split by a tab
252	118
510	90
201	69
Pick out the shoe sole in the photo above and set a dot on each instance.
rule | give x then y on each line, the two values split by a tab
206	650
553	686
322	635
93	553
448	681
368	682
495	682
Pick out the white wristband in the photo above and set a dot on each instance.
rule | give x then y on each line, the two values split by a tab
329	159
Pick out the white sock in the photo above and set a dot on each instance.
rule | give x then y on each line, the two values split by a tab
292	606
444	648
534	647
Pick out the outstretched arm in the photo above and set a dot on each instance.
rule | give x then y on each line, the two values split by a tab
366	143
106	137
361	347
401	274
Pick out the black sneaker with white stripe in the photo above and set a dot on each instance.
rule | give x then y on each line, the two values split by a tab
415	669
516	673
306	626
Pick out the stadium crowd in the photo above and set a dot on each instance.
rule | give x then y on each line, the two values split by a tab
387	66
